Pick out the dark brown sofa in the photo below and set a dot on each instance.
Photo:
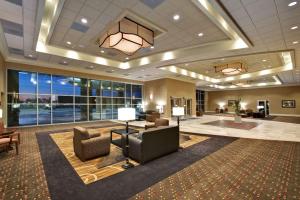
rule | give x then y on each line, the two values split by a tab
151	116
153	143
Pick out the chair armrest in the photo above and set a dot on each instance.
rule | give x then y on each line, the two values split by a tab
93	133
135	146
147	126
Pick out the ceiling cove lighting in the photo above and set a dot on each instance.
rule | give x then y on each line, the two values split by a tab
127	36
231	69
292	3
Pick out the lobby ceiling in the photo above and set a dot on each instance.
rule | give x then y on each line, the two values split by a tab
52	34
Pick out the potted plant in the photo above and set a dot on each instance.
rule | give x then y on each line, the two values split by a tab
237	110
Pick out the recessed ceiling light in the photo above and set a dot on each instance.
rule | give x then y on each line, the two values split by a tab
30	55
295	42
294	27
91	67
264	60
292	3
152	47
200	34
186	64
84	20
81	45
68	42
176	17
102	51
127	58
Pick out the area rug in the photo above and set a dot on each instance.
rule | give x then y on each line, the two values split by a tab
64	183
105	166
231	124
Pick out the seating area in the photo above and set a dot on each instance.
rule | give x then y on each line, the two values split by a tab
149	99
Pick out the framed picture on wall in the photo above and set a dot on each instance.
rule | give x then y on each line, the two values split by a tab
288	104
231	103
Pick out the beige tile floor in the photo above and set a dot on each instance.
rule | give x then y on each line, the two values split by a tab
266	130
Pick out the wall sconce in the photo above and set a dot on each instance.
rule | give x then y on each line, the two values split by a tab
151	96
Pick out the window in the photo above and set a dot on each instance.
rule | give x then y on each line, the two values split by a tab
200	100
39	98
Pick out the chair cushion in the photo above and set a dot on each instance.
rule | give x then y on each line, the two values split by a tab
4	140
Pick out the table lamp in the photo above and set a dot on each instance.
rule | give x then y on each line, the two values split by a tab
178	111
126	114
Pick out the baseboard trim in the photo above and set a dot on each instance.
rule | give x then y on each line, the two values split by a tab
285	115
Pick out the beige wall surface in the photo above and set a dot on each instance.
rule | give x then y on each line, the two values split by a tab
2	87
250	97
160	91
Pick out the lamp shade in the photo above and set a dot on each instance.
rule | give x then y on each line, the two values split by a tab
178	111
126	114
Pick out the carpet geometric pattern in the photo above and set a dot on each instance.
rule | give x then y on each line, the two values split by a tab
244	169
89	171
231	124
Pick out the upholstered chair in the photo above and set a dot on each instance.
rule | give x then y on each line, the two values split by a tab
90	144
157	123
13	138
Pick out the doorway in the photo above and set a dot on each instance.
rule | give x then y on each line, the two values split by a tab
263	107
182	102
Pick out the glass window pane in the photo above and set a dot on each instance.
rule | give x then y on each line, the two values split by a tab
62	113
115	108
44	83
128	90
118	101
95	112
128	102
44	114
94	88
136	101
136	91
106	100
106	116
107	109
80	85
95	100
44	99
80	113
21	82
21	114
81	100
62	99
21	98
106	88
62	85
118	89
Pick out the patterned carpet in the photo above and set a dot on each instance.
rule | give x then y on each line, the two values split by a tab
243	169
231	124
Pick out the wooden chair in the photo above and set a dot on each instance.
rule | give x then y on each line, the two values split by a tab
13	138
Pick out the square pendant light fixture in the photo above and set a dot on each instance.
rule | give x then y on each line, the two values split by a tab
127	36
231	68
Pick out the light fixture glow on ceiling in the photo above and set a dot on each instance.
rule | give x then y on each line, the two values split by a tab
292	3
295	42
294	27
127	36
152	47
200	34
102	51
84	20
69	43
176	17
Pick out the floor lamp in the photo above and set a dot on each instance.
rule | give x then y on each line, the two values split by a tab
126	114
178	111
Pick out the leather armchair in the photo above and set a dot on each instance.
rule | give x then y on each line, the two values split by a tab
153	143
90	144
157	123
